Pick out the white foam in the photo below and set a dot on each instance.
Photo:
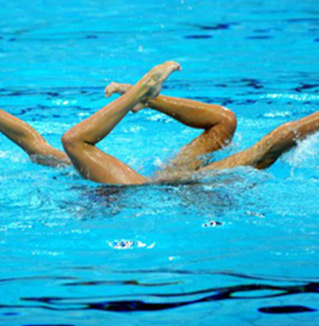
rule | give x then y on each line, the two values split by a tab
305	154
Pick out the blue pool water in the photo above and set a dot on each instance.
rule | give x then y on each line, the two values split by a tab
236	248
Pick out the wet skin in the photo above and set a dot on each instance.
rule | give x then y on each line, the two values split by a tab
217	122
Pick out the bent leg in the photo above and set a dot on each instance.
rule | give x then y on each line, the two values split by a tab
79	142
265	152
219	124
31	141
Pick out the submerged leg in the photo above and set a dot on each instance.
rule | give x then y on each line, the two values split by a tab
31	141
219	124
79	142
265	152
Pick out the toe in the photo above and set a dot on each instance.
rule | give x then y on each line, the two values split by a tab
174	65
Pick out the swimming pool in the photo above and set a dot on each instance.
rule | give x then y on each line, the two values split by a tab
236	248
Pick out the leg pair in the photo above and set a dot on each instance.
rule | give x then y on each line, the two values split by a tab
218	123
79	142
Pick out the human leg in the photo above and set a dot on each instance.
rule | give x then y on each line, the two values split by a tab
266	151
31	141
219	124
79	142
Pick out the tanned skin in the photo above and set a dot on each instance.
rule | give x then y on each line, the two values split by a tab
217	122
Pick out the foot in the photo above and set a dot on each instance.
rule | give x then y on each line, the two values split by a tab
122	89
117	89
154	79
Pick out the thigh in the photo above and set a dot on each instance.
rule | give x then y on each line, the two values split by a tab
95	165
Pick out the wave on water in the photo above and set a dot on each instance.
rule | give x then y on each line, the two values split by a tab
252	288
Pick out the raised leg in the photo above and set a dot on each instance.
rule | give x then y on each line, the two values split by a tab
265	152
31	141
79	142
219	125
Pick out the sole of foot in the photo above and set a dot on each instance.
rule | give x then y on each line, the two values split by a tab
155	78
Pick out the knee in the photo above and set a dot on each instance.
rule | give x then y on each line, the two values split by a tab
230	121
69	140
